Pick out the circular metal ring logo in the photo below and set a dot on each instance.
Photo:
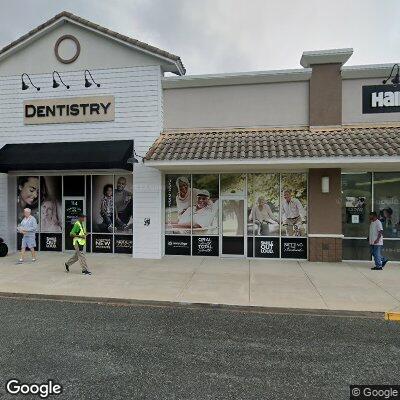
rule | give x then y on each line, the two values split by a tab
57	49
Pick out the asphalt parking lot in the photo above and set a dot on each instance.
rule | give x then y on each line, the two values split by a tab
98	351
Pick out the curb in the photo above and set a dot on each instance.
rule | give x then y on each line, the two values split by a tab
116	302
392	316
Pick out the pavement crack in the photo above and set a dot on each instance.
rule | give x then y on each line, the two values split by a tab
375	283
187	284
314	286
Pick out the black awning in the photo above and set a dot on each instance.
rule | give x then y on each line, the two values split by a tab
66	156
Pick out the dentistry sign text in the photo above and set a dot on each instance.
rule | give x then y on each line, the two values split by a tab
380	99
71	109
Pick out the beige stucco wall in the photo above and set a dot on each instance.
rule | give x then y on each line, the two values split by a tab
352	103
257	105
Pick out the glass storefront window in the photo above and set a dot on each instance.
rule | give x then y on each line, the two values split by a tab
56	201
233	184
263	204
387	202
123	204
356	203
103	204
294	204
179	200
205	218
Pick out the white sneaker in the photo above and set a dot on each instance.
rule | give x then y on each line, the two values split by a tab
33	259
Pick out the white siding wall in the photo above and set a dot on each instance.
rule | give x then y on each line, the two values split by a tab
147	204
137	92
3	207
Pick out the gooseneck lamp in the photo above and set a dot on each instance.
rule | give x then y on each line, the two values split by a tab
25	86
87	82
55	83
396	79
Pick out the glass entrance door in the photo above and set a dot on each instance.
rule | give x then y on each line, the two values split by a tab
233	219
73	207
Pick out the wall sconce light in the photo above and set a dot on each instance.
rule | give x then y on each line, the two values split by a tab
55	83
25	86
396	78
87	82
325	184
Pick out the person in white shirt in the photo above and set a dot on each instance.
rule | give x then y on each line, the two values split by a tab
261	215
186	196
375	239
204	213
292	211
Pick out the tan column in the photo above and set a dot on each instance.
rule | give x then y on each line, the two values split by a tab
325	216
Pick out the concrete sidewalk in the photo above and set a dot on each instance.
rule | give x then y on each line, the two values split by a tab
289	284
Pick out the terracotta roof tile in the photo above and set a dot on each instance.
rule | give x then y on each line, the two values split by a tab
276	143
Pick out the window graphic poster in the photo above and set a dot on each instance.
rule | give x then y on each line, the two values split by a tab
179	198
205	245
123	244
102	243
103	204
355	209
50	242
123	204
267	247
263	204
50	204
177	245
294	247
28	188
294	203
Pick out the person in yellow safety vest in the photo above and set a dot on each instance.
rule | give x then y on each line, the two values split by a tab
78	233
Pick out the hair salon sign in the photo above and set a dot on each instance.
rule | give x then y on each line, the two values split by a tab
380	99
69	110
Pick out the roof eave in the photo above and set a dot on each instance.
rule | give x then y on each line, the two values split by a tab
66	17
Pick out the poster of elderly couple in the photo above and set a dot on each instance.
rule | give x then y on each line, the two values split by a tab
191	207
276	203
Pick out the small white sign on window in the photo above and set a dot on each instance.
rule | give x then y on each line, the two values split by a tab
355	219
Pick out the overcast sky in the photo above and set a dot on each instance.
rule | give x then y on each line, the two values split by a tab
215	36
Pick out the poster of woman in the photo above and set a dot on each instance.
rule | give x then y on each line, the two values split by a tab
27	196
50	204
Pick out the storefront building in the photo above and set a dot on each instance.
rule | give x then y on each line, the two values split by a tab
274	164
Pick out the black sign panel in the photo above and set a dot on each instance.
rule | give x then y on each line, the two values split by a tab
19	241
380	99
205	245
267	247
50	242
177	245
123	244
102	244
294	247
73	208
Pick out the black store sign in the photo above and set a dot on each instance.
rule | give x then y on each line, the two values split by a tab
123	244
294	247
177	245
380	99
267	247
102	244
205	245
50	242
